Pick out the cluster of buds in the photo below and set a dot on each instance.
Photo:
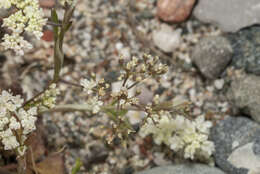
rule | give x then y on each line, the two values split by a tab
16	123
124	99
46	99
140	69
92	87
28	17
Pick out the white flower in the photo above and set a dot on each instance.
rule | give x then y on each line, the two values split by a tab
202	125
88	85
5	4
162	131
29	17
27	119
14	119
49	97
10	102
16	42
10	143
95	104
14	124
3	122
181	134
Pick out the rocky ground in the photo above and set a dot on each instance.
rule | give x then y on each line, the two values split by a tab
212	49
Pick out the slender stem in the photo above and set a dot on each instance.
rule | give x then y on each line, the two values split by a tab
70	83
132	85
37	95
21	165
53	24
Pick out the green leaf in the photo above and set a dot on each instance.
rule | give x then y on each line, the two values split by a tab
77	166
55	19
54	16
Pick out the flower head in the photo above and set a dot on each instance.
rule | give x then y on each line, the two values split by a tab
181	134
15	122
28	18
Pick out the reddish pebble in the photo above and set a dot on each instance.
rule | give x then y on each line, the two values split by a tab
174	10
47	3
47	36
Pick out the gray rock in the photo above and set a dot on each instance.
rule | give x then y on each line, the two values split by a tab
246	46
211	55
184	169
229	15
237	144
244	93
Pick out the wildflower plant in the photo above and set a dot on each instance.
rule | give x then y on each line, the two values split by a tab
165	122
17	116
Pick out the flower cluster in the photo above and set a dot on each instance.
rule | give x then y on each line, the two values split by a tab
88	85
180	134
48	98
140	69
95	104
133	72
124	99
28	18
94	87
15	122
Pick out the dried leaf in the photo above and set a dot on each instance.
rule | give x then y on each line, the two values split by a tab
54	164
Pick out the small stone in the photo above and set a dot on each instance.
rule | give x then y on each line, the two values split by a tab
219	83
244	93
183	169
237	143
211	55
166	38
174	10
47	3
47	36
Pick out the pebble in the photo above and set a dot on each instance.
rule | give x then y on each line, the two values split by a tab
174	10
166	38
47	3
212	55
219	83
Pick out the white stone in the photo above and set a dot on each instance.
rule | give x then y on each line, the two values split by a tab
244	157
166	38
219	83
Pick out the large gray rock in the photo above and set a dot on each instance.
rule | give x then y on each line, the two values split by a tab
237	144
184	169
244	93
229	15
211	55
246	46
